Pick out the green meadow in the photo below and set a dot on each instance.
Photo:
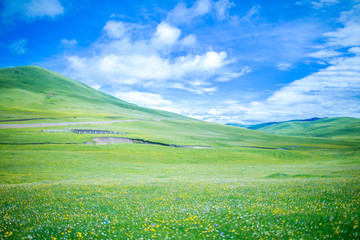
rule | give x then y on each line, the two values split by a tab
231	183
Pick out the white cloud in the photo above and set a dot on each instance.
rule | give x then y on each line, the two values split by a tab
349	34
355	50
155	62
30	9
143	98
144	69
214	112
147	99
115	29
18	46
324	53
284	66
96	86
213	60
166	34
68	43
336	84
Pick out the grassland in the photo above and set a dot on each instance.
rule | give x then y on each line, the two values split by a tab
249	185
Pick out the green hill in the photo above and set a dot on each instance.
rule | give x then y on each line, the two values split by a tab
341	127
34	92
37	95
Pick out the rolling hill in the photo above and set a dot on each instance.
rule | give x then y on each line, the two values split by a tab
340	127
31	94
34	92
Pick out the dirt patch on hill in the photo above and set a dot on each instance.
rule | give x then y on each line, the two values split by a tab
114	140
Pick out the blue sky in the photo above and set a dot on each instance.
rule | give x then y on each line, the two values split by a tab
217	60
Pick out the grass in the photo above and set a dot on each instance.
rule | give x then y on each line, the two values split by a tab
249	185
71	162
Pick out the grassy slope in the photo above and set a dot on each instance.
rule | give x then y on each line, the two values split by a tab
34	92
24	93
342	127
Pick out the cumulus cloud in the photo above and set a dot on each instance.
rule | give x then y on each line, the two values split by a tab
147	99
147	70
143	98
115	29
156	62
166	34
30	9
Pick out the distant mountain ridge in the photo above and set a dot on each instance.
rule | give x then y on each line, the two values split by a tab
260	125
340	127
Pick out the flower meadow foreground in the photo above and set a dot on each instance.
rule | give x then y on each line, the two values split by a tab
300	208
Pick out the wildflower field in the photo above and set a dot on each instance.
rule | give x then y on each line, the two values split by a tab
133	209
